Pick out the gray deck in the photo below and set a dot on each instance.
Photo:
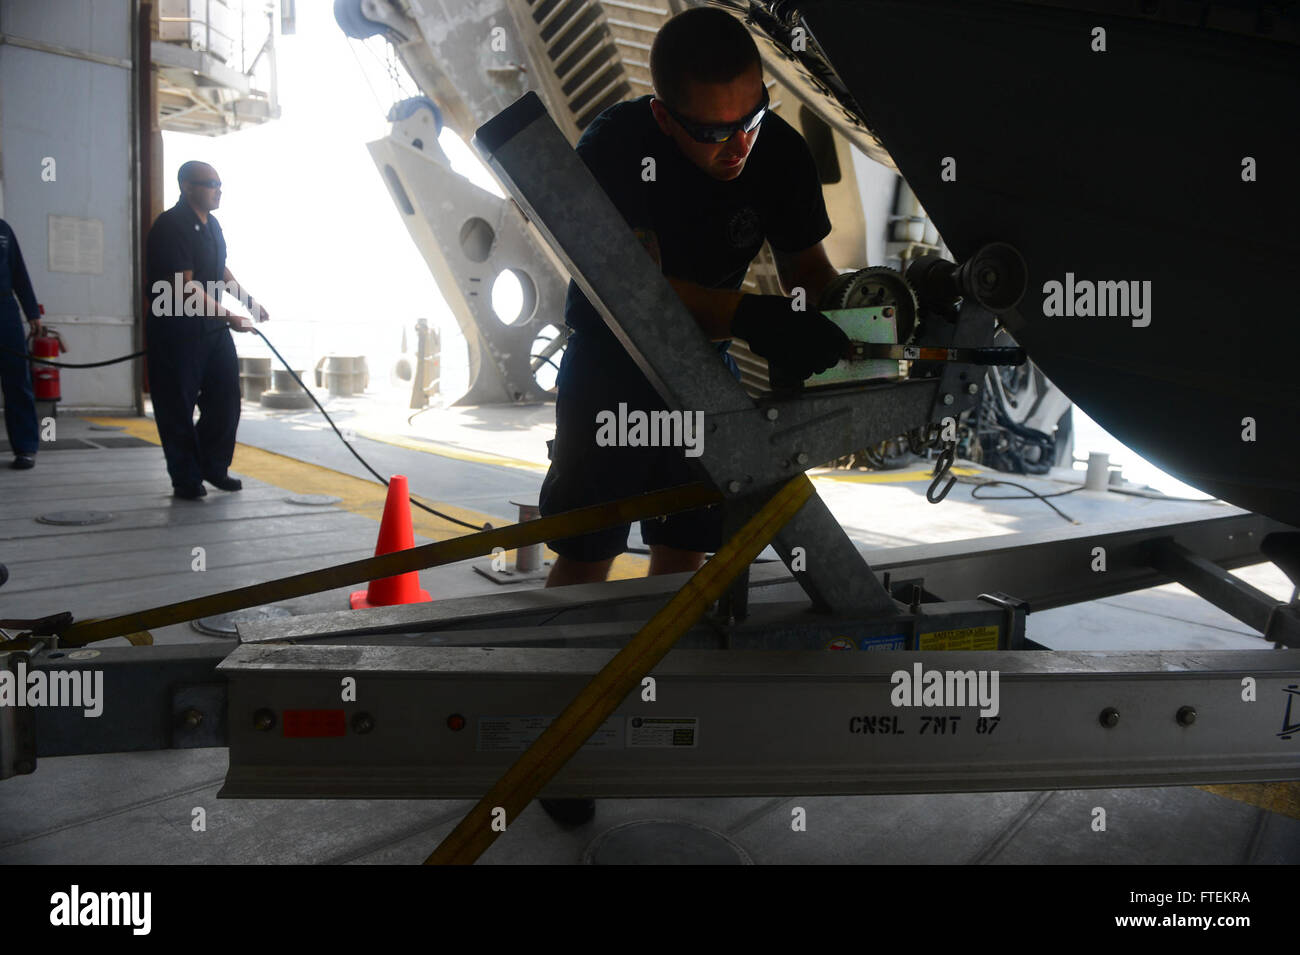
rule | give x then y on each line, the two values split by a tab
136	808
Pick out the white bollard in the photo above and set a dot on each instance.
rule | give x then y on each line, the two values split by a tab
1098	471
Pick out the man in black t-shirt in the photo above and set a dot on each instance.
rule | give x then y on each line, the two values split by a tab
703	190
191	356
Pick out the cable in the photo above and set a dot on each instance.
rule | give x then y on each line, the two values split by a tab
364	463
319	407
68	364
390	66
364	75
982	482
411	419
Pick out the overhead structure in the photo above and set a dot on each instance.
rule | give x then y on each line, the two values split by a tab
215	65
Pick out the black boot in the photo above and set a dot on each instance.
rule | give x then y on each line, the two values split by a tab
226	483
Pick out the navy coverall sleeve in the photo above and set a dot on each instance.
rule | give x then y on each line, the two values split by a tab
22	283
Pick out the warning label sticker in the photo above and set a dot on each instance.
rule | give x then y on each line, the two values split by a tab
972	638
662	732
516	733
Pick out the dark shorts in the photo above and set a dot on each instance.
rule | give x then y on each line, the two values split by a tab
596	376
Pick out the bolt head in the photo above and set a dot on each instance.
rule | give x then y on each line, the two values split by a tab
1109	717
772	414
801	457
263	720
363	723
192	718
948	399
973	388
734	487
1186	715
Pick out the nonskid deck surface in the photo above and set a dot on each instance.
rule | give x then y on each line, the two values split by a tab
136	808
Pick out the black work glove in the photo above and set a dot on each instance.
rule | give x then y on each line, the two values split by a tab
802	343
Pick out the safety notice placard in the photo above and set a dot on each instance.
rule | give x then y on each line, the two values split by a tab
76	245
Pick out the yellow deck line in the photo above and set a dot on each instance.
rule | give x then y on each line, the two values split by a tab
446	451
886	477
358	495
498	460
486	457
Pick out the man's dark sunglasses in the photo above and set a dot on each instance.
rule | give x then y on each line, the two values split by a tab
720	133
205	183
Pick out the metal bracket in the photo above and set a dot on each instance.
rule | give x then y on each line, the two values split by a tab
1229	593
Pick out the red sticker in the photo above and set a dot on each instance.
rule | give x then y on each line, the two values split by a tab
314	723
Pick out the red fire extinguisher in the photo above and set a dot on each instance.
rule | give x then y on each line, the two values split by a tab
45	378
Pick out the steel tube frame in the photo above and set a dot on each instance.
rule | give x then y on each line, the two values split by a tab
1048	569
1248	604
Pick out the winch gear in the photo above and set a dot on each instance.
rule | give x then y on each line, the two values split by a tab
871	287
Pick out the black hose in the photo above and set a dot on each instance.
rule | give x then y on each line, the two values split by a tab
88	364
364	463
983	482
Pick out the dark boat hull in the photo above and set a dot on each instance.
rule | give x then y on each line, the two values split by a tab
1117	166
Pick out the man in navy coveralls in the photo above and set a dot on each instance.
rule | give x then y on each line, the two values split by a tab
192	356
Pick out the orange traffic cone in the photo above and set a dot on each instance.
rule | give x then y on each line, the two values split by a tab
395	533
